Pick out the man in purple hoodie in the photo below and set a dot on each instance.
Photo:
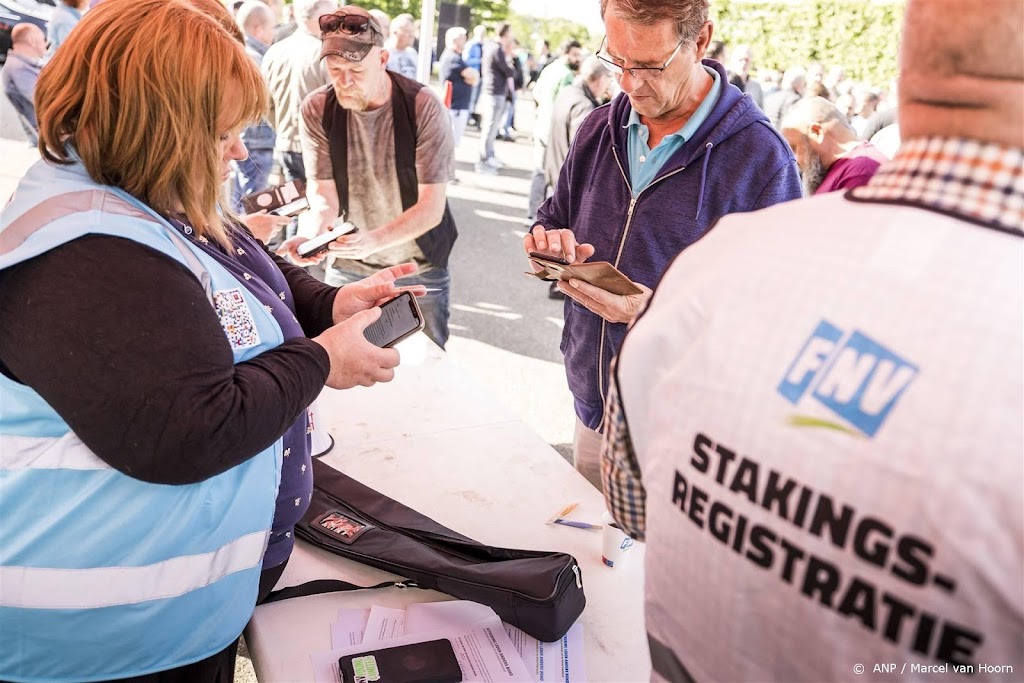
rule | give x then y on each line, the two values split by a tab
648	175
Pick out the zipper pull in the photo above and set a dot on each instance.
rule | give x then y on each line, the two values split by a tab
576	571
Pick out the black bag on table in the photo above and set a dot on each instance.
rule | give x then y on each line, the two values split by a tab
538	592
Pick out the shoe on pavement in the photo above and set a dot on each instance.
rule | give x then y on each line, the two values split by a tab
486	169
494	162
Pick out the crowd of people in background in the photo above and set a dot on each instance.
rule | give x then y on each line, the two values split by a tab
491	61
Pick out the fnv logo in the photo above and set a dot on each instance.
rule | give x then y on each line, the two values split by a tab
851	375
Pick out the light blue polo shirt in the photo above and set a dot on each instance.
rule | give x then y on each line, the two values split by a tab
646	163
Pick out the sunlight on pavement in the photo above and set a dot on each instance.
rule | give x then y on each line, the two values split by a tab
496	314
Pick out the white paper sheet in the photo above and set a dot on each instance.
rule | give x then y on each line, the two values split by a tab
562	660
349	628
384	623
484	652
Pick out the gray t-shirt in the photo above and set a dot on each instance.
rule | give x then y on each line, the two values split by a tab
374	195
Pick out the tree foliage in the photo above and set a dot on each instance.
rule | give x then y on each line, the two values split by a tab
483	11
859	35
554	30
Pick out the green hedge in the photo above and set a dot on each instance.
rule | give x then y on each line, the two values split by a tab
860	35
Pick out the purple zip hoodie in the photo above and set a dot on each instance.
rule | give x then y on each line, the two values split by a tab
735	162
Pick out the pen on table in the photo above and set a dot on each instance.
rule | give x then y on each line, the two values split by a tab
578	525
558	515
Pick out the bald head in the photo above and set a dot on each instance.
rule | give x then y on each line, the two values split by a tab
811	111
28	40
965	82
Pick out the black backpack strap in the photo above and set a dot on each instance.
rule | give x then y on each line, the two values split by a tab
330	586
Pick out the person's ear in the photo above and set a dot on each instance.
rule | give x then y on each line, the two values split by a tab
704	38
384	55
816	133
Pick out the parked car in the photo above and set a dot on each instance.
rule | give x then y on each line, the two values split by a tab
14	12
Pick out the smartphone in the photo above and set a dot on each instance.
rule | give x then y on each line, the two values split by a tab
320	243
292	208
399	318
547	258
431	662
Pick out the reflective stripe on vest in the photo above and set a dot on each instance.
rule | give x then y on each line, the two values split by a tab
122	577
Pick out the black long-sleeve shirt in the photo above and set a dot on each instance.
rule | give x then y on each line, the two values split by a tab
122	342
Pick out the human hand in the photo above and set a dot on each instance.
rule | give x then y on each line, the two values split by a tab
358	245
354	360
263	225
289	248
615	308
373	291
558	243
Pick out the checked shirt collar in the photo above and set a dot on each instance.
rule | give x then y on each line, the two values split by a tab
979	182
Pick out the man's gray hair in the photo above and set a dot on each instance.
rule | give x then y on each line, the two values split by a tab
689	15
453	34
254	13
793	76
304	10
592	69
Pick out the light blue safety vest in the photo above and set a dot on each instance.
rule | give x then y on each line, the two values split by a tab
101	575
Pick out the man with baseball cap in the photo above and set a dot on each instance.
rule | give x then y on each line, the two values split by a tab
378	152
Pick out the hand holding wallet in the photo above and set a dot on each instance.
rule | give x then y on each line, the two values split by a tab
601	274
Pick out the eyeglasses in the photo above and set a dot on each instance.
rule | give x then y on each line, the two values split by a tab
350	24
643	73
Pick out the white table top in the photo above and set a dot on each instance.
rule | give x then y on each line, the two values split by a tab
435	441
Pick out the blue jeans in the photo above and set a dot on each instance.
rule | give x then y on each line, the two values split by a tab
251	174
433	304
493	118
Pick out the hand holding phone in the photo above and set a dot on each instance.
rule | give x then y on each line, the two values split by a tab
355	361
320	243
399	318
601	274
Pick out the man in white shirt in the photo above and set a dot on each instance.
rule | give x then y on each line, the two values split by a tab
817	423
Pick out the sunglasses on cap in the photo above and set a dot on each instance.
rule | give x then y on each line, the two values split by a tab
350	24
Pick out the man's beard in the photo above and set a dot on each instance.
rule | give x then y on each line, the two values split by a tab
352	100
813	174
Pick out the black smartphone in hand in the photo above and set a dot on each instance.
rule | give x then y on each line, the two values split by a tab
536	255
398	319
321	243
431	662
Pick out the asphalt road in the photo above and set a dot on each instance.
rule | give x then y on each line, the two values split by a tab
505	328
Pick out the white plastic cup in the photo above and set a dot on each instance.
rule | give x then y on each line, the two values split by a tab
615	543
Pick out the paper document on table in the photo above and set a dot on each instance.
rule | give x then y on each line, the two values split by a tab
484	652
384	623
349	628
562	660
